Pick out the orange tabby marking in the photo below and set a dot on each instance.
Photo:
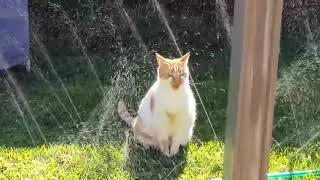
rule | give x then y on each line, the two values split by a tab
176	70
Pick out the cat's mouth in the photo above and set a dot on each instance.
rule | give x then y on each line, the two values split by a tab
175	86
176	83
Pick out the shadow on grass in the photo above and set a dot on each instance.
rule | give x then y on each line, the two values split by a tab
152	164
21	127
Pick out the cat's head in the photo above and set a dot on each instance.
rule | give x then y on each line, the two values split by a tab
175	71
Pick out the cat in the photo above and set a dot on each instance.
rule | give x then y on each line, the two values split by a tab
167	113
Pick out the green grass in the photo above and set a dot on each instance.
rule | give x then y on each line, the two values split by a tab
202	161
97	146
62	162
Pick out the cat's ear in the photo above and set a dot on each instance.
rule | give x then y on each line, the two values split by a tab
161	60
185	58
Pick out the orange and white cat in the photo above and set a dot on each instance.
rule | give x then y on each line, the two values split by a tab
167	113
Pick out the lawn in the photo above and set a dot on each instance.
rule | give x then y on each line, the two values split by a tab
92	142
201	161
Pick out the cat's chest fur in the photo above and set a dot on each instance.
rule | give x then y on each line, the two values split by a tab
172	102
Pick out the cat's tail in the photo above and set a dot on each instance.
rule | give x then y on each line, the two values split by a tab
124	113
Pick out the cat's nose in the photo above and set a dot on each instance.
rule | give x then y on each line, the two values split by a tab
177	80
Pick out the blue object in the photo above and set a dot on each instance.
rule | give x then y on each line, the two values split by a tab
14	33
293	174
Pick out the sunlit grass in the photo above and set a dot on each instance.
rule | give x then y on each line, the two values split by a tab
291	159
62	162
202	161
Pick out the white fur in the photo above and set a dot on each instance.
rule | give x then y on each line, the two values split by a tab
181	102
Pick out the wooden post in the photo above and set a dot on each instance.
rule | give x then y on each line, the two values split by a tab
253	75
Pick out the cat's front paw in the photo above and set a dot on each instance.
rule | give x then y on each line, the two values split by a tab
174	149
164	147
166	151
